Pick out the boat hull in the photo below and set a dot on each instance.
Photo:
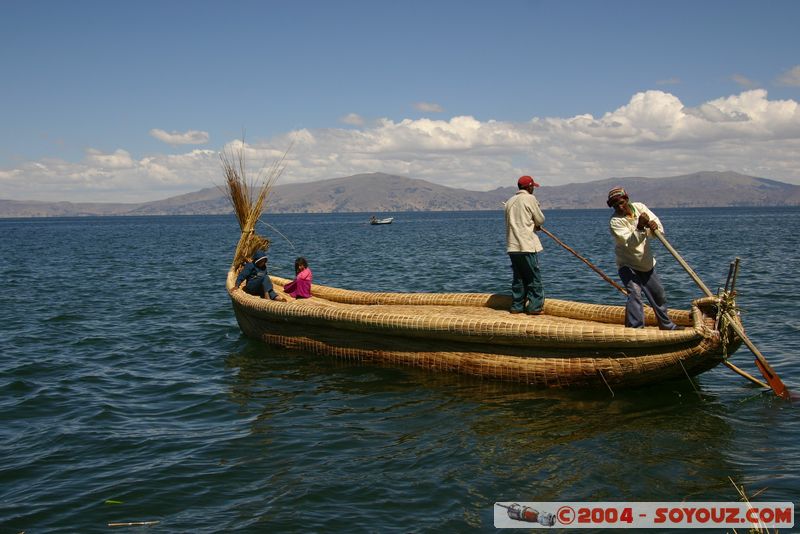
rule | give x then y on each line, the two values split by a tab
439	332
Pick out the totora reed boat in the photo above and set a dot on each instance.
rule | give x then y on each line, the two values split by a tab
572	344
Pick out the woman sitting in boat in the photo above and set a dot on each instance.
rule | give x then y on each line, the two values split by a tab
300	287
255	280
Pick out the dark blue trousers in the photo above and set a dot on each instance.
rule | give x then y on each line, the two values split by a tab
647	283
526	287
260	286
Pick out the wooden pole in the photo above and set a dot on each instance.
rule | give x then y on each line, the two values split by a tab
730	274
584	260
774	381
735	274
745	374
766	369
683	263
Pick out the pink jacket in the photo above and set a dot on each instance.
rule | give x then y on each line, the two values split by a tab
300	287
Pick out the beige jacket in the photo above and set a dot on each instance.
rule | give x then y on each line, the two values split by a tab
522	214
631	245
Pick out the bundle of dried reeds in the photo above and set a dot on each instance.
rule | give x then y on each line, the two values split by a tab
248	198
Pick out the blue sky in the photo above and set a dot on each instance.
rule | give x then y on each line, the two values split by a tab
133	100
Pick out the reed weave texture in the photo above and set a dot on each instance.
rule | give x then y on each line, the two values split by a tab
571	344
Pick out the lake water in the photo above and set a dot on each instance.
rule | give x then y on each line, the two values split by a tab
127	392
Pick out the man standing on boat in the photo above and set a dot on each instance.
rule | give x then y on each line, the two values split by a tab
631	225
523	218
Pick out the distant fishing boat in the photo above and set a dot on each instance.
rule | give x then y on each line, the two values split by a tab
387	220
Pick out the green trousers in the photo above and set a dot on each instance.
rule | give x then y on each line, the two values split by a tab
527	292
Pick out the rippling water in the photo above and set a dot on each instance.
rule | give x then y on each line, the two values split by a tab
127	392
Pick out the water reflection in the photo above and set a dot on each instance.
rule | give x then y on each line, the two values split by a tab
485	438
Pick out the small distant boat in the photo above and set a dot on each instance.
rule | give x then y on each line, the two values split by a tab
387	220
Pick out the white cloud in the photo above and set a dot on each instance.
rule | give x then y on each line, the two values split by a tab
353	119
744	81
428	107
114	177
712	113
791	77
120	159
653	134
189	137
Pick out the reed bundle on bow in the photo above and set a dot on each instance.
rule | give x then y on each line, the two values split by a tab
248	198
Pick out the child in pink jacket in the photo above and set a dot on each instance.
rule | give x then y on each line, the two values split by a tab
300	287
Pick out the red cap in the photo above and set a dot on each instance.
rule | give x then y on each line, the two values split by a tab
526	181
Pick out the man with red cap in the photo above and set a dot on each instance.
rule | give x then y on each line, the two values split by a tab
631	224
523	217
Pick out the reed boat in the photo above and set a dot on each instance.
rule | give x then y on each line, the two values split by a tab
573	344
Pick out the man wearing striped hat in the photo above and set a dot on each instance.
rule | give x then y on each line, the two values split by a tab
523	218
631	225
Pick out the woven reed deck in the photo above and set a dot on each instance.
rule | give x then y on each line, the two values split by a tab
571	344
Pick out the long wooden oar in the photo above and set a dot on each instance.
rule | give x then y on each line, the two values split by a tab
772	378
584	260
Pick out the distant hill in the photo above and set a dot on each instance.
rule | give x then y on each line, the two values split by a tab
375	192
384	193
697	190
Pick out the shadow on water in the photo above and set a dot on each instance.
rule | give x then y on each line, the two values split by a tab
474	441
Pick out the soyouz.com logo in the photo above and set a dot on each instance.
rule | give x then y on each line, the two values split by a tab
771	515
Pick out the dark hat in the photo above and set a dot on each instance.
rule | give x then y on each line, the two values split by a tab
526	181
615	194
259	255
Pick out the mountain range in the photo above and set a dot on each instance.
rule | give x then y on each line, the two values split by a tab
385	193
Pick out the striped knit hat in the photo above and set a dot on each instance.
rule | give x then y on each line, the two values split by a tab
614	195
